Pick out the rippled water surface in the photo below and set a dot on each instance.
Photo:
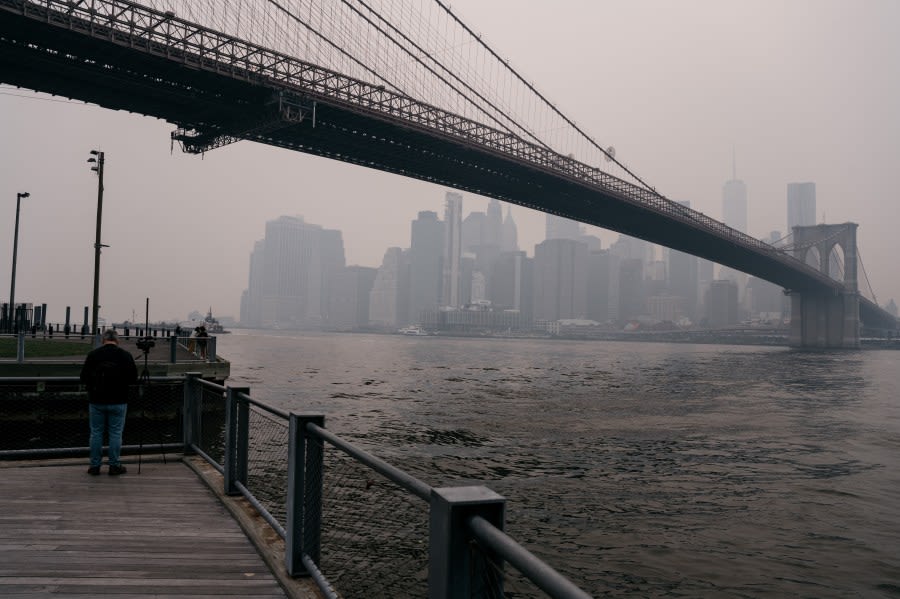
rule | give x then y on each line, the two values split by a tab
635	469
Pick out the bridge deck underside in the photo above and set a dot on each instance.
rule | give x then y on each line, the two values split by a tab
225	102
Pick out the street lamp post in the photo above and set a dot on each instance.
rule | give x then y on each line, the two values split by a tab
12	284
97	158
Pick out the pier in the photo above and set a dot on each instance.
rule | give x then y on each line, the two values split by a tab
327	518
169	356
160	532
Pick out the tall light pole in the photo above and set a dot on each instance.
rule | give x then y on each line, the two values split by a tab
12	284
97	158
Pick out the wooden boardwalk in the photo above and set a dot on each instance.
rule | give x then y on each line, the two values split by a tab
161	533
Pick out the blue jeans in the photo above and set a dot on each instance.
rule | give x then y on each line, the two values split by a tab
105	417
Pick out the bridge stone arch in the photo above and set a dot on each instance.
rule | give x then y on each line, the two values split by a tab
826	319
836	262
811	256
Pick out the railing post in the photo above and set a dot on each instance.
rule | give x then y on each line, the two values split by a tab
20	347
191	412
173	349
304	494
211	350
455	571
237	422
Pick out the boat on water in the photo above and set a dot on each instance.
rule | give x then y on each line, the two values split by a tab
212	326
413	331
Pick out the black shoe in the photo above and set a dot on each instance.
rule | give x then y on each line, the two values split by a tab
117	470
94	470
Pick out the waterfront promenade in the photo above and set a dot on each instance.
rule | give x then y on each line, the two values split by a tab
38	362
167	532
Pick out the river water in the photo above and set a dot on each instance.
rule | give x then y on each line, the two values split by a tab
636	469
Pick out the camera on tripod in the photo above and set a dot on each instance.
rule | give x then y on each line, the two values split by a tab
145	344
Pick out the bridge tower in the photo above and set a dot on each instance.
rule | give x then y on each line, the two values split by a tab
826	319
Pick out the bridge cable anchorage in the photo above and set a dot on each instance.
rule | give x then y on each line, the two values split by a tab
609	155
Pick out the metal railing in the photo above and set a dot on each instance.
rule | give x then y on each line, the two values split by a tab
28	345
48	417
348	519
318	501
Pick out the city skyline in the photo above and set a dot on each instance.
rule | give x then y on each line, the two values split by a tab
179	228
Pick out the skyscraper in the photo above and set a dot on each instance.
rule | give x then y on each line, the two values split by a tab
511	284
251	301
683	279
389	298
331	263
452	249
632	292
801	205
473	231
734	214
559	227
560	279
350	295
291	274
510	233
603	286
494	224
734	202
722	303
425	257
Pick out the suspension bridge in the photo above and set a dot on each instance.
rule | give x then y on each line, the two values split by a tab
402	87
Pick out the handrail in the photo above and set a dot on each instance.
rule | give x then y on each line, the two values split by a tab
316	574
212	385
262	406
267	516
75	379
549	580
406	481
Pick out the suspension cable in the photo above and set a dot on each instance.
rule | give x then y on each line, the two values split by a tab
865	275
336	47
610	156
444	68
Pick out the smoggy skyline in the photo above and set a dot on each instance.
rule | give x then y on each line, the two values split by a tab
800	91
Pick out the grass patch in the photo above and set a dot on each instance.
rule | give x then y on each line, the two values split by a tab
44	348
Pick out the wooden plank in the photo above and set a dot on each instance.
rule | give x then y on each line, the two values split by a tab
158	534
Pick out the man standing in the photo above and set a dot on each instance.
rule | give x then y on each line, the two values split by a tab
108	371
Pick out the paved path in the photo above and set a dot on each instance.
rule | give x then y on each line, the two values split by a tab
161	533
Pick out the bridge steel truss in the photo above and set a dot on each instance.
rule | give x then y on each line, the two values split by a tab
219	89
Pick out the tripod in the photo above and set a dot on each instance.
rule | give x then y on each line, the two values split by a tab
145	344
143	388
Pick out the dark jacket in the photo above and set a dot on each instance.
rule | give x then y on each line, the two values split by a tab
107	373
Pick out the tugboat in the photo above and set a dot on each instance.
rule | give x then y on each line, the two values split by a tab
213	326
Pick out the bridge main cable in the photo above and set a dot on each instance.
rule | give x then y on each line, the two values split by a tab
609	155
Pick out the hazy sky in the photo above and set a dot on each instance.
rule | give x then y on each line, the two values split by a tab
806	90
